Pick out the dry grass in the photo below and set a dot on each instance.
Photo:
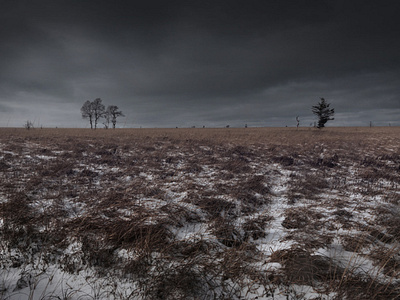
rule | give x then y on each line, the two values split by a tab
190	208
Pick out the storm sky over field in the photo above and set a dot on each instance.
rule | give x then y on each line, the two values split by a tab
195	63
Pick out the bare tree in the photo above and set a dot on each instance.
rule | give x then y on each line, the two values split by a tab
107	118
93	111
98	111
113	113
87	112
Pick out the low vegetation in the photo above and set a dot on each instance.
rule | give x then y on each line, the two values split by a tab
251	213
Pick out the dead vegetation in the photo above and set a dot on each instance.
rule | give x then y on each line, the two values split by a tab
191	213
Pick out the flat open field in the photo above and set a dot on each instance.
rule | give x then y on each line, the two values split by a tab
249	213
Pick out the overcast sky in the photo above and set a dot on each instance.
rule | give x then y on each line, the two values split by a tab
194	63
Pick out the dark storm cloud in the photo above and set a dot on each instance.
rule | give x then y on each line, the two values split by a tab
175	63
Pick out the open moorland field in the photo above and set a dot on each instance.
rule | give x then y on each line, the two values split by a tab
250	213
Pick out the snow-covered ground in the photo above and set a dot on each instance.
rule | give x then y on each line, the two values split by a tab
260	214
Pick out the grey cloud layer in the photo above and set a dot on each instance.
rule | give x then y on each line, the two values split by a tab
170	62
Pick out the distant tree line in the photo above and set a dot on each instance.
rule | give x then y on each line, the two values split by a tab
95	110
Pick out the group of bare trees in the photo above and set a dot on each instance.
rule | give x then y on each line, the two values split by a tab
95	110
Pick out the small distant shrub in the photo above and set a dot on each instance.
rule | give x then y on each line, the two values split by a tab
28	124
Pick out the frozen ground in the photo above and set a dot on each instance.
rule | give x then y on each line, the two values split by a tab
200	214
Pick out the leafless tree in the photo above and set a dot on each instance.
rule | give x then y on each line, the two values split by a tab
93	111
113	113
98	111
107	118
87	112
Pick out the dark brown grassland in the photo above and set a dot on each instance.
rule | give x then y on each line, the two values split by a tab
136	190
